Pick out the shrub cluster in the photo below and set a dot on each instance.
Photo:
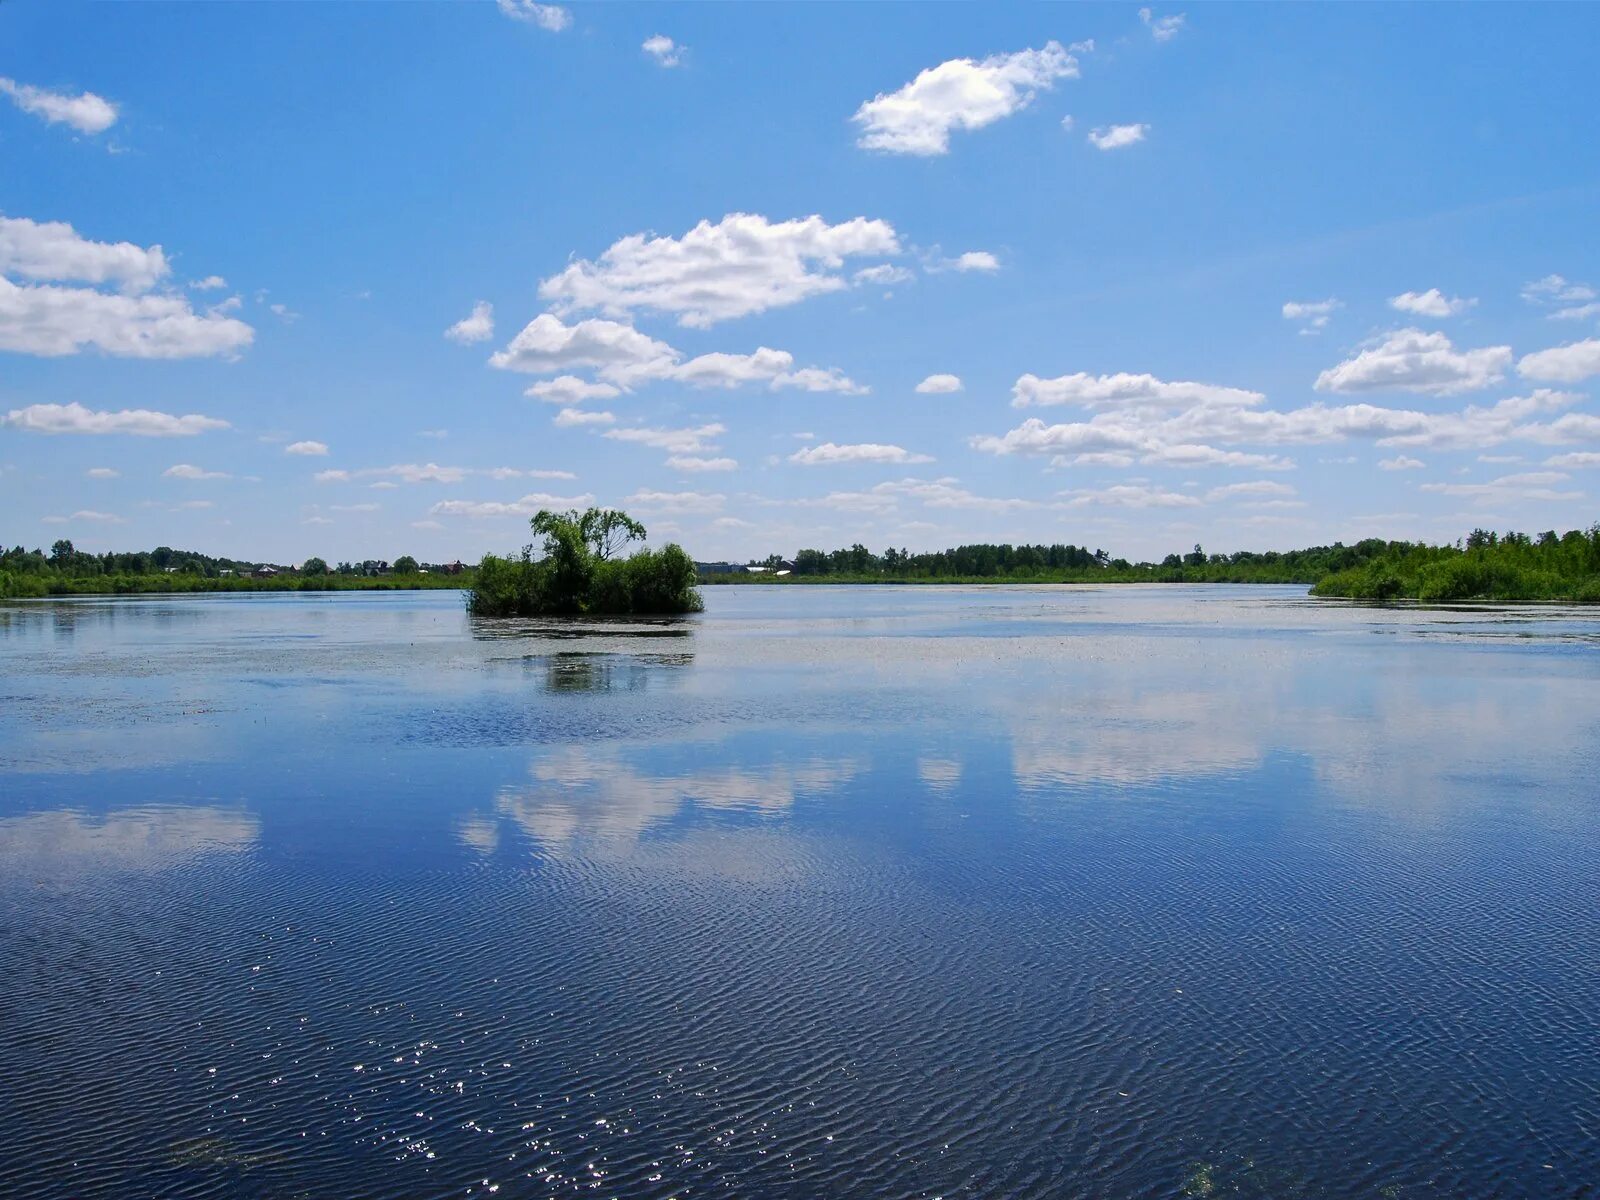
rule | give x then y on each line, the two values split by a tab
579	572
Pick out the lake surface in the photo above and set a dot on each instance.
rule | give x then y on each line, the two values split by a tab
826	892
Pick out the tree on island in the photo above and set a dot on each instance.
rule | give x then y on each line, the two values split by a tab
579	571
314	566
405	565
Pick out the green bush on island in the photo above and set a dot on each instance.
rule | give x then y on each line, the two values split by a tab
580	571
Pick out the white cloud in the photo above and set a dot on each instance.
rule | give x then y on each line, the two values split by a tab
103	473
1563	364
86	514
1124	390
691	462
674	441
1582	458
190	471
1114	137
1431	303
818	379
1130	495
1163	29
357	508
973	260
663	49
317	521
680	502
884	274
54	321
476	326
210	283
552	17
85	112
1401	463
1254	490
1532	485
1068	123
139	422
54	251
547	345
939	385
310	449
527	506
959	94
733	370
1413	361
828	453
744	264
570	390
1313	315
569	418
1567	300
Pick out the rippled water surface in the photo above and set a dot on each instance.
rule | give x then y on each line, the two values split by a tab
826	892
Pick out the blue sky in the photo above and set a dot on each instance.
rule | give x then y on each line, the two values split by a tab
1256	276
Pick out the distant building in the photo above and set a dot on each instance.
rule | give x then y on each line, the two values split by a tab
453	568
264	572
718	568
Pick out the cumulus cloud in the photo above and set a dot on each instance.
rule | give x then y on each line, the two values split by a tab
694	440
210	283
1413	361
138	422
697	463
1124	390
663	49
744	264
547	345
552	17
86	514
570	390
1313	315
1582	458
1562	364
1565	300
52	321
1257	489
884	274
1431	303
569	418
309	449
827	453
678	502
1130	495
939	385
55	251
103	473
971	260
476	326
1163	29
85	112
1115	137
959	94
526	506
1532	485
42	316
630	358
190	471
1401	463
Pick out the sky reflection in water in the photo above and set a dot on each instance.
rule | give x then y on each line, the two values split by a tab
1026	892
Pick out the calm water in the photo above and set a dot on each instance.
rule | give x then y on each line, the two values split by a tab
827	892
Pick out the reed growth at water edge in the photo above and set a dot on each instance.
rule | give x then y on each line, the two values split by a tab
581	571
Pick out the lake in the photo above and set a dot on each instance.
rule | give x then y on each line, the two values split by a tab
908	892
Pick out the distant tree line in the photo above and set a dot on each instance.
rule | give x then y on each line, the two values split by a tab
1485	565
66	570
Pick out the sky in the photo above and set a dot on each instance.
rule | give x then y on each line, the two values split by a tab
359	281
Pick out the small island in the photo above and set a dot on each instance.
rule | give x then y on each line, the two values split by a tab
581	572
